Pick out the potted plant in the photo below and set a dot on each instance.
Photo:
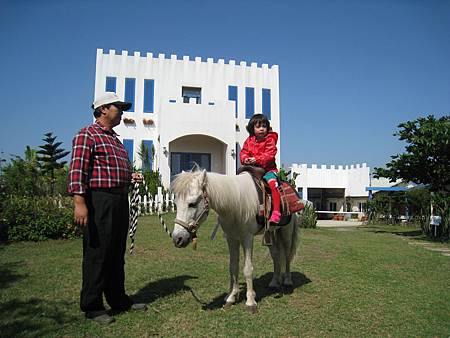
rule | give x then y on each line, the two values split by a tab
128	120
148	122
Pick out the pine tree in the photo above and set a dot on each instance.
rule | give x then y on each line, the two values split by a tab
49	155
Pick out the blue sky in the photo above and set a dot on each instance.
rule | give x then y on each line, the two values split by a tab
350	71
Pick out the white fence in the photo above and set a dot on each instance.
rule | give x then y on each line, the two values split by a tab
160	202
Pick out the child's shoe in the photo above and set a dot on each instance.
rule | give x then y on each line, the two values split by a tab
275	217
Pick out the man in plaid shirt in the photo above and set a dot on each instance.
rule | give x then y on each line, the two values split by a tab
99	176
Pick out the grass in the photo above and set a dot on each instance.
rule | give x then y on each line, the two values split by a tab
357	283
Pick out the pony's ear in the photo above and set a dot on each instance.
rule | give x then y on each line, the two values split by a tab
195	167
202	178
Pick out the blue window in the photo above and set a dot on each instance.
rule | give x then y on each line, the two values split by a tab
300	192
233	96
148	158
191	93
249	102
128	144
149	94
110	85
266	103
130	86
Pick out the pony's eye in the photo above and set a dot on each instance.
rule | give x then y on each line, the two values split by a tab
192	205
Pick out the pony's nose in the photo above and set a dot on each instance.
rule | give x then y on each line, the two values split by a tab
179	241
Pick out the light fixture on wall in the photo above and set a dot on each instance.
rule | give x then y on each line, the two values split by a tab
233	153
165	152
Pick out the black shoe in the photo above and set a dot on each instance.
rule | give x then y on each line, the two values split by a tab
138	307
100	317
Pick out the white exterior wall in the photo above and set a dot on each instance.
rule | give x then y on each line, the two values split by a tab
354	178
173	120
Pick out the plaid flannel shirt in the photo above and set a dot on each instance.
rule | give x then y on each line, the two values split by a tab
99	160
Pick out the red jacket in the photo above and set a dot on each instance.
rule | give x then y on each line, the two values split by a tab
263	151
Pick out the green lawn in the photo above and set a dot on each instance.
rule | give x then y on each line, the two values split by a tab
354	283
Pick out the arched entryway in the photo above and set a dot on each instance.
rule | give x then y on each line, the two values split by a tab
208	152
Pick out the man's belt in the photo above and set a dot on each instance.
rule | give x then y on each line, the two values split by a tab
114	190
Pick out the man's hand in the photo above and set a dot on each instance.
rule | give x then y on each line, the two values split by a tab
250	160
80	214
136	178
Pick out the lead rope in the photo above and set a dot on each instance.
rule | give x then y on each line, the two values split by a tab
134	210
161	220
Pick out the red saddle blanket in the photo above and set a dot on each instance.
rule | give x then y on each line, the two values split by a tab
290	201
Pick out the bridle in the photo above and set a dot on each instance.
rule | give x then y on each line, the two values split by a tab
193	225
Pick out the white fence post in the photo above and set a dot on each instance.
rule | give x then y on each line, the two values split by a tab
160	202
139	205
150	204
160	199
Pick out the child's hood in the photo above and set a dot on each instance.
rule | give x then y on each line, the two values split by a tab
273	135
270	135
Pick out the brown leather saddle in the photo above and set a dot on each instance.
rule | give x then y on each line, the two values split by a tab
290	201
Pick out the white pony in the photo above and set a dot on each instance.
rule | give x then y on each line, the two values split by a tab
235	200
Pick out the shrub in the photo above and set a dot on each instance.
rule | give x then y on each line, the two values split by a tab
152	181
419	201
386	207
307	217
441	206
37	218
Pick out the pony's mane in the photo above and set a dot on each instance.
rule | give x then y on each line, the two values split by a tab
182	182
233	196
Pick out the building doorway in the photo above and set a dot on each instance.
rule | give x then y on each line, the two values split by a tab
181	161
205	151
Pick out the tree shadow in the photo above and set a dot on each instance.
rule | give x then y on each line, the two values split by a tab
262	290
162	288
416	233
34	317
411	234
8	274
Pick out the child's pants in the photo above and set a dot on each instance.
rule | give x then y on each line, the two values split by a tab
272	179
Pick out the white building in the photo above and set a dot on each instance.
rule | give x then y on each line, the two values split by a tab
187	110
333	188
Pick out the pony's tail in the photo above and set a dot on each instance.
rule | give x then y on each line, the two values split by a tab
294	242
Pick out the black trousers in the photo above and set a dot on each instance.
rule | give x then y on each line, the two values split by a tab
104	245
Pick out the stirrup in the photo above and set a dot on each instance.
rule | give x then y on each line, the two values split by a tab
267	239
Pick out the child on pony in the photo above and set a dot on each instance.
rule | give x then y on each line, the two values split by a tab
259	149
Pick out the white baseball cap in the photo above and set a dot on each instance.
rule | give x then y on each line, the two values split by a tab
111	98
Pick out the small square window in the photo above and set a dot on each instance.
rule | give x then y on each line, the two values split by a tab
191	92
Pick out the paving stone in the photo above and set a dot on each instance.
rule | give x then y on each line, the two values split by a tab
438	249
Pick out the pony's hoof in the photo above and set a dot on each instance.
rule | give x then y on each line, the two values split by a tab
252	309
227	305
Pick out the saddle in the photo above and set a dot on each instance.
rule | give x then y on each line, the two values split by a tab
289	199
